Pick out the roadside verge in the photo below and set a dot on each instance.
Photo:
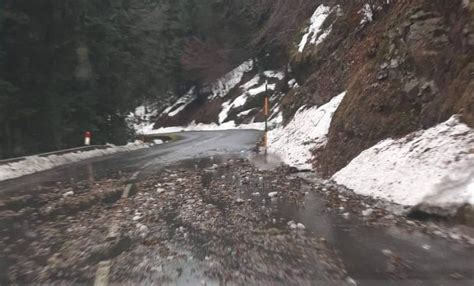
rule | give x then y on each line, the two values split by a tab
18	167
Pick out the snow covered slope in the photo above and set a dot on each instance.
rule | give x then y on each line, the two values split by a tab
314	32
230	80
435	166
307	130
234	101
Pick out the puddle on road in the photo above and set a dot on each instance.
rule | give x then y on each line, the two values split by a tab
362	247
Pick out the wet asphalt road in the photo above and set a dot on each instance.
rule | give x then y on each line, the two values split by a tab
373	255
361	247
192	145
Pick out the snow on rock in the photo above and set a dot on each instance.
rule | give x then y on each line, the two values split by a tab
142	117
251	88
140	111
241	100
33	164
226	107
251	83
245	112
369	9
308	129
314	29
223	85
274	74
261	88
292	83
367	14
275	120
181	104
433	166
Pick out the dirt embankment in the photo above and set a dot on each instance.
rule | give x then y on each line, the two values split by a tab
410	68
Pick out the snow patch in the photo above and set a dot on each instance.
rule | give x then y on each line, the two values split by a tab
226	107
434	165
33	164
276	119
262	88
244	113
223	85
274	74
241	100
308	129
142	117
181	104
251	83
292	83
314	29
367	14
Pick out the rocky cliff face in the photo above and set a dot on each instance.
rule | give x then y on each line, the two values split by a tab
409	69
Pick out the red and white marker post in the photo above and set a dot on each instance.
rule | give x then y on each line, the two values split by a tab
87	138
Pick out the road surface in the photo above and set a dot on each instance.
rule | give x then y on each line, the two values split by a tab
211	227
192	145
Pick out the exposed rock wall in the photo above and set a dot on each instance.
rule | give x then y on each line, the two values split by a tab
411	68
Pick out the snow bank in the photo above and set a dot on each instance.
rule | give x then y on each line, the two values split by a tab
434	165
308	129
454	190
314	29
223	85
33	164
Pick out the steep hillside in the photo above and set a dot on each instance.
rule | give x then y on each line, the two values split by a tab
410	68
359	73
234	99
405	65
